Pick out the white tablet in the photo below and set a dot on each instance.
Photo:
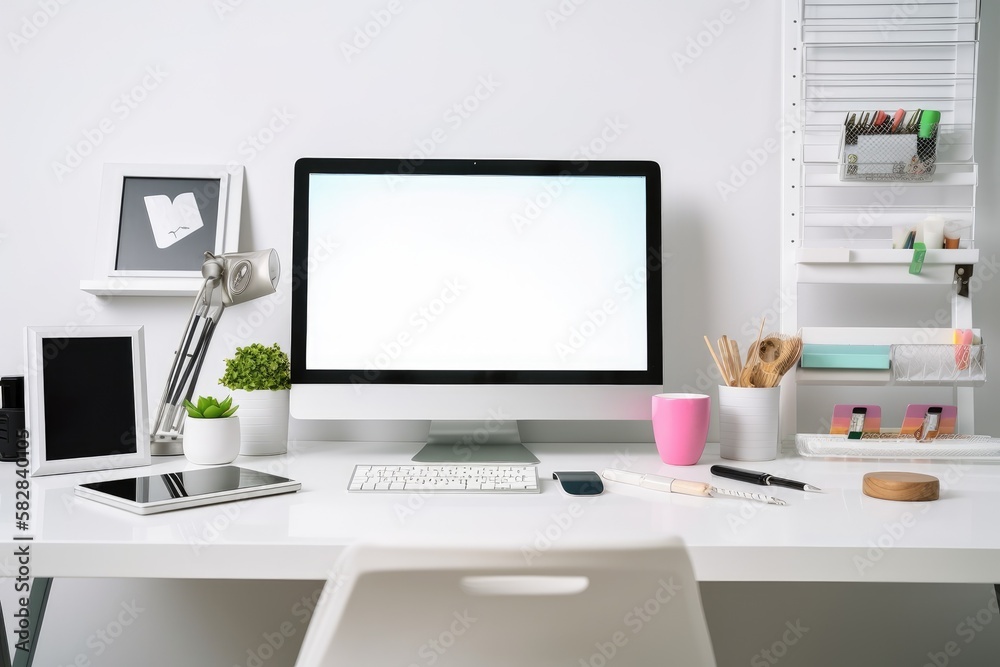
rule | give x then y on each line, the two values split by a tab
191	488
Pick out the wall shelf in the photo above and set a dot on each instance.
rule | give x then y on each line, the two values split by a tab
140	286
879	266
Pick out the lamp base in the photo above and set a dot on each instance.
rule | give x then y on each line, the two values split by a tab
170	447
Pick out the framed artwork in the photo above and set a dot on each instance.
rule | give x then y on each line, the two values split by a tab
157	221
85	394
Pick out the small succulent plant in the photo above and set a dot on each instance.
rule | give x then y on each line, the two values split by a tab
210	408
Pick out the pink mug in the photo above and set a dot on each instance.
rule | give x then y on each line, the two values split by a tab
680	426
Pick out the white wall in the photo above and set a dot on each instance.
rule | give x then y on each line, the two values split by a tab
607	70
230	70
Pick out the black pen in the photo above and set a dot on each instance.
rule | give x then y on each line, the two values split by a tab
762	478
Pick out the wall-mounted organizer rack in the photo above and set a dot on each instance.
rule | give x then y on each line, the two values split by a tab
844	57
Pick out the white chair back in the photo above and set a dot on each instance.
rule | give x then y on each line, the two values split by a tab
478	606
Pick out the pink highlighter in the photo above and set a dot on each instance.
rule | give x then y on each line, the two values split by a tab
897	119
962	338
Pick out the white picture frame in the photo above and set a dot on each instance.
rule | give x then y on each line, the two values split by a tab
157	221
85	398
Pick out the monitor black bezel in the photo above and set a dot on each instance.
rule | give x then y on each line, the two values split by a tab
305	167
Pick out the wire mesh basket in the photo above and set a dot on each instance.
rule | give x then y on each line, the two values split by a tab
879	147
938	364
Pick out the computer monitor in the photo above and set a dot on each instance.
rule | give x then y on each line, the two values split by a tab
475	293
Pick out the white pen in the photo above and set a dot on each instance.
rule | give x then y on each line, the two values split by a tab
671	485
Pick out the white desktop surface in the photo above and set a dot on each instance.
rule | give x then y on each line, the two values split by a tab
837	535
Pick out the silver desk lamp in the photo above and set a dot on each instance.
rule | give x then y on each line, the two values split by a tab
230	279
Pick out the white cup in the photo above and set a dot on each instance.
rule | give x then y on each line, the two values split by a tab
748	423
933	232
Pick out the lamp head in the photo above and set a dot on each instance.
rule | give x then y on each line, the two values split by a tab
244	275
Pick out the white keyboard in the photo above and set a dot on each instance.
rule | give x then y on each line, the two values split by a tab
446	477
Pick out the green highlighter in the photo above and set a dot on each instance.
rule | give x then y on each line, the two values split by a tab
917	263
927	136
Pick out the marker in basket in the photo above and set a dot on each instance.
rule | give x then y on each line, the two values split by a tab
897	120
670	485
857	426
927	136
929	428
962	338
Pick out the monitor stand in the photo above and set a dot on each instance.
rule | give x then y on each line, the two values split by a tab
474	442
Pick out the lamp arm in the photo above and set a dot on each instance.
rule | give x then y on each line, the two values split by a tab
186	366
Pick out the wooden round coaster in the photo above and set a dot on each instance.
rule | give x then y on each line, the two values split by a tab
910	486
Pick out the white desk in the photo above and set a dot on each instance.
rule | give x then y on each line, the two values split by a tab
839	535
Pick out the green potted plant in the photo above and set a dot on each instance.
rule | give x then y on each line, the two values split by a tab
260	378
211	431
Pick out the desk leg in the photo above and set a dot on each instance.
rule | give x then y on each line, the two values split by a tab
4	648
36	610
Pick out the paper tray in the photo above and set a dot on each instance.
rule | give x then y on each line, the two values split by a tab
964	447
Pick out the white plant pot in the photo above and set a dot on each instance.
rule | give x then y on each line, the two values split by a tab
211	441
264	415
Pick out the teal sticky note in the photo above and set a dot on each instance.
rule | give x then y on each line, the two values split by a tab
862	357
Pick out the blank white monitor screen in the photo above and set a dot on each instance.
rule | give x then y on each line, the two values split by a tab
476	272
444	272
